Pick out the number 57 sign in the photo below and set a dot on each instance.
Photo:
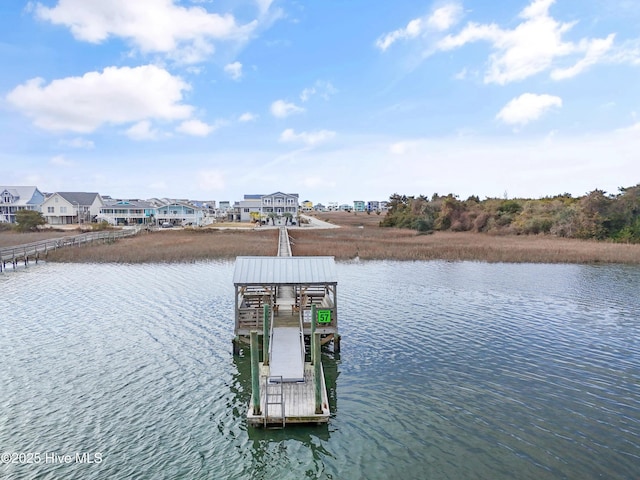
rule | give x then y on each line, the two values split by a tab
324	316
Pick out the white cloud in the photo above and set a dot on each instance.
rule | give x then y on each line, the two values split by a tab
282	109
248	117
441	19
234	70
78	142
595	50
196	128
113	96
142	131
152	26
321	88
307	93
527	107
445	17
60	161
263	5
211	180
309	138
533	46
461	75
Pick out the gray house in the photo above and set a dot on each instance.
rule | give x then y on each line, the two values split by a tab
279	205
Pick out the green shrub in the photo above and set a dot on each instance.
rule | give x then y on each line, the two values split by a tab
103	225
28	220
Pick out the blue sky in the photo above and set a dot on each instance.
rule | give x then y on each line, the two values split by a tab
334	100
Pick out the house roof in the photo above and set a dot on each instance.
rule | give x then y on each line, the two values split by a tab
25	195
281	193
128	204
284	270
81	198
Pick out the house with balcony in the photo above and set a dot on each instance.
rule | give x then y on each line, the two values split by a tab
127	212
13	199
65	208
279	205
179	213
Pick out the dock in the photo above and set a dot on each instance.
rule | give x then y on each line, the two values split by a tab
283	304
34	251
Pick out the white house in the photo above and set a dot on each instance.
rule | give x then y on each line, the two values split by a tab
63	208
127	212
13	199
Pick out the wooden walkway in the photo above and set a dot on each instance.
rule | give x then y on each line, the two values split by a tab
286	356
35	250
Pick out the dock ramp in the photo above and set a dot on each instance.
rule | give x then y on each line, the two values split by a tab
287	354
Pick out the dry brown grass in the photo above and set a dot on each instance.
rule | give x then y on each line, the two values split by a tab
168	246
360	236
368	241
10	239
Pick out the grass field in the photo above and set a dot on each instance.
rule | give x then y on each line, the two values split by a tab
359	237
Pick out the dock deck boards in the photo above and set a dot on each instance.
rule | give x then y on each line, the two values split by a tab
299	400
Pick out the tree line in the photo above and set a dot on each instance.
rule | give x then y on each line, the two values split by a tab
596	215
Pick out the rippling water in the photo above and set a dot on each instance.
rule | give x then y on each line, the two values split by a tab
447	370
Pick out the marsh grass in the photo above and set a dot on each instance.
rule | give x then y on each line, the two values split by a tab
361	237
168	246
12	238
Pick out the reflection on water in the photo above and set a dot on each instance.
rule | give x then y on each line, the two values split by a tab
447	370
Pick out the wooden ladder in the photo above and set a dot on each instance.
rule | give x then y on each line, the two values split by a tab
274	396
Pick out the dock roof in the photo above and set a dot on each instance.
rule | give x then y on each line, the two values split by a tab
285	270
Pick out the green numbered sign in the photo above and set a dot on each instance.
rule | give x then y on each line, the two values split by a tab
324	316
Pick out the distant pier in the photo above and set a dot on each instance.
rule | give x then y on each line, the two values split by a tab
34	251
280	301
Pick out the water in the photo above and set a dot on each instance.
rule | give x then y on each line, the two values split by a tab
447	371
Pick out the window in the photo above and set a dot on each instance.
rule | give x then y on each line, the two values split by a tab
63	209
6	198
50	209
246	210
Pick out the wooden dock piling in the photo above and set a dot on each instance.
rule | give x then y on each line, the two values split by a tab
255	375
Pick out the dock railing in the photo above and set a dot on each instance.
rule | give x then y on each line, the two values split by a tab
33	250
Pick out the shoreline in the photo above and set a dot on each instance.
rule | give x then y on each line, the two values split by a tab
358	237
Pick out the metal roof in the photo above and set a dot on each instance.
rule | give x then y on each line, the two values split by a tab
81	198
284	270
